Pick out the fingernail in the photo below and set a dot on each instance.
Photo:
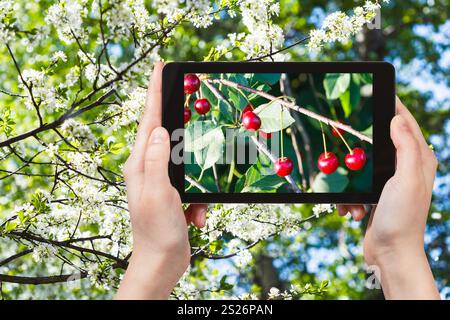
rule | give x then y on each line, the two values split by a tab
159	135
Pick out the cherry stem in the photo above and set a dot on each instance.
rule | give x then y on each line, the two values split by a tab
340	135
324	140
281	132
263	149
275	100
186	104
245	97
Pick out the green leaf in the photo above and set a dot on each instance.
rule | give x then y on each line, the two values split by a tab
268	184
366	78
226	110
238	78
368	132
237	99
336	84
269	78
10	226
206	93
207	141
270	115
257	181
350	99
116	148
225	285
253	97
200	134
213	152
335	182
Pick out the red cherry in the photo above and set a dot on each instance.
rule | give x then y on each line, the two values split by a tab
335	131
265	135
283	166
187	114
251	121
202	106
328	163
247	109
191	83
356	160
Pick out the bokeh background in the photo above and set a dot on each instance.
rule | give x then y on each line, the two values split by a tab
414	36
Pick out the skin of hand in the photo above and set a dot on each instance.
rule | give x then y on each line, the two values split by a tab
394	240
161	250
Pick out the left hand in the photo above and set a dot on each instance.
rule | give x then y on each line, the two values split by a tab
161	249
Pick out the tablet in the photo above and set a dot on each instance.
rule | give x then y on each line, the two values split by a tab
281	132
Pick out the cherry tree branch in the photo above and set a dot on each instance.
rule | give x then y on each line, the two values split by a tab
294	107
14	257
200	251
57	122
42	280
68	244
271	54
196	184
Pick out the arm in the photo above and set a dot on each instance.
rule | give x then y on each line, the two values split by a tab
394	240
161	250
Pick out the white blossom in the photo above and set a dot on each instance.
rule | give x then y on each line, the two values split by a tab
273	293
67	18
339	27
243	258
43	251
322	208
79	132
59	55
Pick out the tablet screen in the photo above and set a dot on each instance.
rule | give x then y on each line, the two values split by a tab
278	132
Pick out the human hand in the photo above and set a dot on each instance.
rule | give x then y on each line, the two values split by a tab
161	250
394	238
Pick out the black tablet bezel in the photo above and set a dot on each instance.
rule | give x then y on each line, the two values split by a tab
384	111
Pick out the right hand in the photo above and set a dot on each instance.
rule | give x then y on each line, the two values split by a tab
394	239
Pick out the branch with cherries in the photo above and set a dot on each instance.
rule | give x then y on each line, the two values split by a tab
300	111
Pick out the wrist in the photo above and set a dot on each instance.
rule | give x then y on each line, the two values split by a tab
405	273
399	255
150	276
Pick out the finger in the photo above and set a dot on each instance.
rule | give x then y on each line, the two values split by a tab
357	211
429	161
408	154
342	209
151	117
157	156
196	214
412	123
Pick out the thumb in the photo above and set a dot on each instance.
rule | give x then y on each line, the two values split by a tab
408	153
157	157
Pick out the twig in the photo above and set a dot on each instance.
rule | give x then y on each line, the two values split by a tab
14	257
261	147
298	126
216	178
196	184
31	237
57	122
42	280
299	159
28	86
294	107
278	51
